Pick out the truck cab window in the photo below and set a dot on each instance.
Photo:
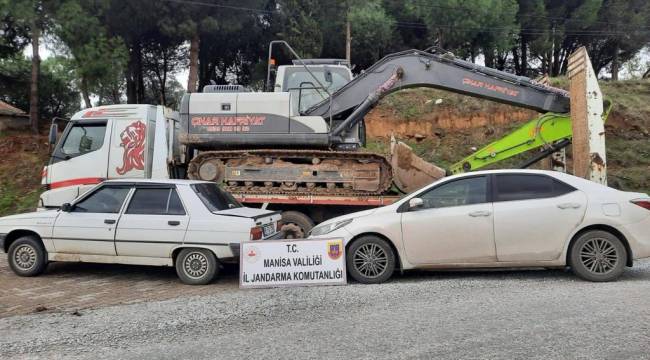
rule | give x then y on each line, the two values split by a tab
296	78
83	138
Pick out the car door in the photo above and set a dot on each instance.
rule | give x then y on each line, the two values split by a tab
453	225
89	227
153	223
534	215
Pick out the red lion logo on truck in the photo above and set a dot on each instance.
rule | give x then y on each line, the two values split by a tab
132	140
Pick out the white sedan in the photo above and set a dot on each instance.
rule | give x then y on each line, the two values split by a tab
192	225
499	218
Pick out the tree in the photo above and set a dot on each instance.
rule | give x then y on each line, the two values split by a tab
98	59
619	33
30	15
372	32
58	96
469	27
14	34
160	60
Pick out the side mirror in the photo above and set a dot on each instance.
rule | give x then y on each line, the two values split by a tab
66	207
415	203
54	129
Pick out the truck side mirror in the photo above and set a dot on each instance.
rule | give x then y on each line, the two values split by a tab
66	207
415	203
54	129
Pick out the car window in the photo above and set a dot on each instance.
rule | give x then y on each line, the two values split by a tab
82	139
456	193
214	198
155	202
105	200
523	187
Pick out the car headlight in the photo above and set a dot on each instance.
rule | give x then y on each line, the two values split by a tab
326	229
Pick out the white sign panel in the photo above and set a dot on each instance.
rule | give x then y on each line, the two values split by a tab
292	263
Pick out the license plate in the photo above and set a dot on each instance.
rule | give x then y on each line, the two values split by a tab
268	230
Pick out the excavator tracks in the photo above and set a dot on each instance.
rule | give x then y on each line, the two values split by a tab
294	172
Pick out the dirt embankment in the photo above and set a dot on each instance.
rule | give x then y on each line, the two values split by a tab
444	128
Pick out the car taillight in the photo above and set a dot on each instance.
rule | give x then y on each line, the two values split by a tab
256	233
644	203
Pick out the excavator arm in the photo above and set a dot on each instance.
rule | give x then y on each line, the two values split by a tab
549	132
415	68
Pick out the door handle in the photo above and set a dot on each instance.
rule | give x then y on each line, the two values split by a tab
109	221
568	206
173	223
480	213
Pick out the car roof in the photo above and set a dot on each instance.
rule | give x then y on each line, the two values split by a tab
155	182
575	181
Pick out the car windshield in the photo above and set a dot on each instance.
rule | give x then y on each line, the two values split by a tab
214	198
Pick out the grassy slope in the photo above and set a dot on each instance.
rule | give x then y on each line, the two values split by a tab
22	157
628	137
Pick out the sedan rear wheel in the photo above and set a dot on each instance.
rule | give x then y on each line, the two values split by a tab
196	266
598	256
370	260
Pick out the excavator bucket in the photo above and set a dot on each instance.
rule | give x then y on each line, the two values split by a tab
411	172
588	144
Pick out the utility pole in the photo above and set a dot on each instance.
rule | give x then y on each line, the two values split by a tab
552	57
348	39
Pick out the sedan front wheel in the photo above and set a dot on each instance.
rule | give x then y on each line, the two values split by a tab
370	260
598	256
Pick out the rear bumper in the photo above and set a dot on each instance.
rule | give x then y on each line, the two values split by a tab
2	242
234	247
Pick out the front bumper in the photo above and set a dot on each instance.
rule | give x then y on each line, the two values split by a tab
2	242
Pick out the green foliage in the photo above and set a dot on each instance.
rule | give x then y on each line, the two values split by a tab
373	31
99	60
58	95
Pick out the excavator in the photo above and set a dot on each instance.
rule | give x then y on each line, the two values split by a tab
304	136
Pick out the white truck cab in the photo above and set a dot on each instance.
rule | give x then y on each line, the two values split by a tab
110	142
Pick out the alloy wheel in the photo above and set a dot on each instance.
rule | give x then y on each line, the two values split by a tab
599	256
370	260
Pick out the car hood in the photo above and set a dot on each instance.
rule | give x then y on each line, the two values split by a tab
50	214
354	215
246	212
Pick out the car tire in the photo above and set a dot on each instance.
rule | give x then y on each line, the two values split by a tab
370	260
598	256
196	266
27	256
296	225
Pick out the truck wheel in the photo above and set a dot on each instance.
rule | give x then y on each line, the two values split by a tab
370	260
296	225
27	256
598	256
196	266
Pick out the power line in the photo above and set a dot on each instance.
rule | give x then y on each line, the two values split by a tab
241	8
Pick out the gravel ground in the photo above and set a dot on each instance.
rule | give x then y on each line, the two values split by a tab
480	314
